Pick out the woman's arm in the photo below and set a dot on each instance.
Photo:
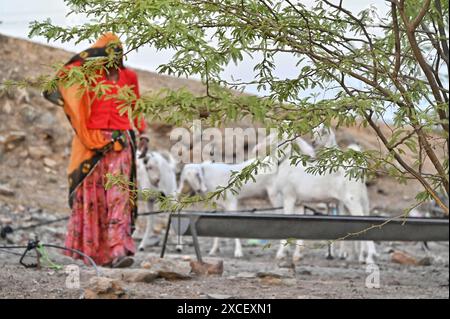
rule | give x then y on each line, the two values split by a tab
140	124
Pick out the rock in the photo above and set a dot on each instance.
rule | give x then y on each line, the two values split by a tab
49	162
5	221
46	120
172	275
29	114
426	261
140	276
22	96
246	275
401	257
38	152
167	269
104	288
305	272
14	162
289	282
23	154
271	281
274	274
7	108
219	296
6	191
286	264
131	275
204	268
12	140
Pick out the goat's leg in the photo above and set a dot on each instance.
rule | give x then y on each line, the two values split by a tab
288	204
367	250
179	246
148	228
215	247
343	252
371	252
299	243
349	248
179	237
232	206
342	246
238	249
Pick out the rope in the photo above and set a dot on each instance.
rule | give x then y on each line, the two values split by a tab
36	245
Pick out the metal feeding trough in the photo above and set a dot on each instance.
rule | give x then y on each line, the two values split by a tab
277	226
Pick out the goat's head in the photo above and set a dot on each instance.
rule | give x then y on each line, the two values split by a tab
153	166
195	177
323	136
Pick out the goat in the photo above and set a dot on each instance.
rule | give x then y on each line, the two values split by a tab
353	195
207	177
156	171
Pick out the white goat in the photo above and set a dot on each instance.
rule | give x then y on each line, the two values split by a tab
207	177
352	195
156	171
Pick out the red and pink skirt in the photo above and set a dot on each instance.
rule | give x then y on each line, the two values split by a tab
101	221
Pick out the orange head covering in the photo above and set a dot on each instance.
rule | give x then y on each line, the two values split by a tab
112	47
105	39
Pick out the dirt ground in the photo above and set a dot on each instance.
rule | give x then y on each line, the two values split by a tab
313	277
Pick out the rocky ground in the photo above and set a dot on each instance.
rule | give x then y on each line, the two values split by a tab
257	275
34	149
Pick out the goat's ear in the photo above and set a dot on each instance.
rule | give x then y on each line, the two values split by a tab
142	154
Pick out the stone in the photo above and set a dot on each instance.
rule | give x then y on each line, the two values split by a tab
7	108
290	282
305	272
140	276
131	275
425	261
167	269
14	162
29	114
24	154
49	162
246	275
403	258
5	220
12	140
46	120
219	296
104	288
38	152
6	191
286	263
203	268
274	274
271	281
22	96
172	275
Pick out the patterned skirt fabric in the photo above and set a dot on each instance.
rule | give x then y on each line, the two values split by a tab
101	221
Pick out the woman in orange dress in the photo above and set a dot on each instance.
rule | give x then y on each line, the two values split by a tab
102	220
